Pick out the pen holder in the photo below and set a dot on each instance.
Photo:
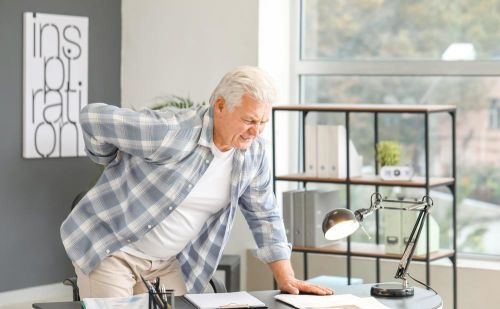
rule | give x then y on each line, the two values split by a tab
161	300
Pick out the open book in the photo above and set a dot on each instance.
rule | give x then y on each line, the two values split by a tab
224	300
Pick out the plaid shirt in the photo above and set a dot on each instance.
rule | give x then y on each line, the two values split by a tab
153	159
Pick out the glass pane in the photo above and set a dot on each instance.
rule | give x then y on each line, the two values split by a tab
477	148
392	30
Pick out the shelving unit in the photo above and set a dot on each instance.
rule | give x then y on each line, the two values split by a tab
350	249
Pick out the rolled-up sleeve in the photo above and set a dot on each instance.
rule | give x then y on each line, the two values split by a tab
107	129
264	218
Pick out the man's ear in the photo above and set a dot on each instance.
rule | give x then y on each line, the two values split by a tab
220	105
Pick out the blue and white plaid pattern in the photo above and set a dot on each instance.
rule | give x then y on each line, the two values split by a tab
153	159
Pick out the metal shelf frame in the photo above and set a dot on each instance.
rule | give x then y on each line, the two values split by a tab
426	183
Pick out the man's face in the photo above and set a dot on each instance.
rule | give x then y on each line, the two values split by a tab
237	128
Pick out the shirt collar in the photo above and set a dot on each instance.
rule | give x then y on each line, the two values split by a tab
207	129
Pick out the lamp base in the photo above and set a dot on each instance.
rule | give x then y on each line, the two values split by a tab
391	289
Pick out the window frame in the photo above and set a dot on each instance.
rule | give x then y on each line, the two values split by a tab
494	114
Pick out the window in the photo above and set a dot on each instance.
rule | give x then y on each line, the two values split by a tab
396	29
415	52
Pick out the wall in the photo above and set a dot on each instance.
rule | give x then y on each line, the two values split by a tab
35	195
184	48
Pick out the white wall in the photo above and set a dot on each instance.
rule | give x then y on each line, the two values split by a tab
184	47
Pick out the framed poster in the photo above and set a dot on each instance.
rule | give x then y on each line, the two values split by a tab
55	84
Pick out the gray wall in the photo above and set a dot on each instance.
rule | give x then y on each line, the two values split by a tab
35	195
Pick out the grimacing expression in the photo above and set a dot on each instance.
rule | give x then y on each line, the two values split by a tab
237	128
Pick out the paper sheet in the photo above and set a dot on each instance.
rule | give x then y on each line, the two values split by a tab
224	300
343	301
370	302
139	301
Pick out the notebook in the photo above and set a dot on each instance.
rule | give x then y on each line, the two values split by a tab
224	300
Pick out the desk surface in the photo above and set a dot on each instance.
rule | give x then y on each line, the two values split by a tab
422	299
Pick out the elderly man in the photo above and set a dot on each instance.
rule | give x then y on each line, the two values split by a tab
165	203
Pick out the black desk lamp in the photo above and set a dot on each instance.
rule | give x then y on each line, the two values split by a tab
340	223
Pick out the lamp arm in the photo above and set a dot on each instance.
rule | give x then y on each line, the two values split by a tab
376	199
412	242
360	214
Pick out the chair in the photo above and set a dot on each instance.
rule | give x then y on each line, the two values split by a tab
217	285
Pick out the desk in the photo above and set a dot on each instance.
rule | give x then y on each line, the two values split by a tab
422	299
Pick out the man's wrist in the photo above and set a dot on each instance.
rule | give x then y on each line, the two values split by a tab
282	270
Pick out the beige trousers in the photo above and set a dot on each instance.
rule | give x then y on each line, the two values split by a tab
119	275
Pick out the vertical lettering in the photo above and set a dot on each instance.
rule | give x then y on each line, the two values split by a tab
34	36
45	28
67	32
54	77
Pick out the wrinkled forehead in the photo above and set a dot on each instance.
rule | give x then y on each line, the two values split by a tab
255	110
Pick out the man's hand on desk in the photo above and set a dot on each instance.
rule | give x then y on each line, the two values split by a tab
294	286
285	278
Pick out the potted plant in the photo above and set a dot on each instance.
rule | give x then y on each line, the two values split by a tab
389	155
174	101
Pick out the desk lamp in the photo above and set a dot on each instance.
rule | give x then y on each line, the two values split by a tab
340	223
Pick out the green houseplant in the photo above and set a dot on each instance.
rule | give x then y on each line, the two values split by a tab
174	101
388	153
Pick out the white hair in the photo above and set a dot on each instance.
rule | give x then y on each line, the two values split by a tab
245	80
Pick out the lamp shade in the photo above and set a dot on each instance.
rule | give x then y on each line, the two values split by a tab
339	223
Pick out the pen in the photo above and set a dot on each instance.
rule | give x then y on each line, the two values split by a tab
157	283
163	293
156	298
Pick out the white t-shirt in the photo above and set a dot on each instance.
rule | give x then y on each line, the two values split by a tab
209	195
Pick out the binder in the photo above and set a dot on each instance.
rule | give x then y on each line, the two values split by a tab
398	227
298	218
326	151
355	161
318	204
409	219
392	224
288	214
331	153
310	145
